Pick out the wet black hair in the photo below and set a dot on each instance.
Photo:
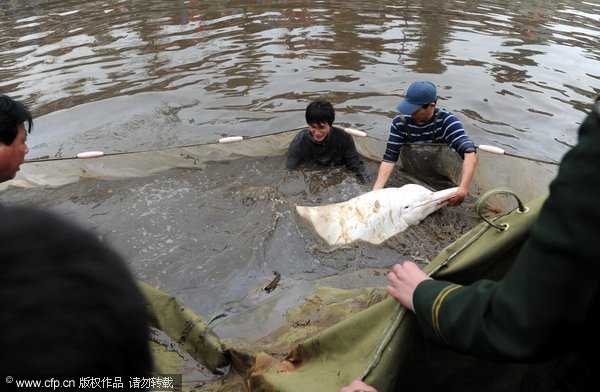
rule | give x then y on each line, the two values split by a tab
319	112
68	303
12	114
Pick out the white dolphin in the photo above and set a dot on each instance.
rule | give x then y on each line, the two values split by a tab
374	216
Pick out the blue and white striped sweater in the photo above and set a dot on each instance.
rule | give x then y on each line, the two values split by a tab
448	129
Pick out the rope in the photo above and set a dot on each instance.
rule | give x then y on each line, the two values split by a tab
157	149
500	151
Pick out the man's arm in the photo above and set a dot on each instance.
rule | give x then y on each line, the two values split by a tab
383	174
468	171
295	154
352	160
391	154
292	162
551	287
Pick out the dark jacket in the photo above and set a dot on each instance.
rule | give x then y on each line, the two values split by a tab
336	149
543	311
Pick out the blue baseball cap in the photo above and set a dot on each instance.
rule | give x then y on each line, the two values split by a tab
418	94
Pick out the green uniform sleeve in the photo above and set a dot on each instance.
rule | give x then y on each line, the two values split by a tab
545	304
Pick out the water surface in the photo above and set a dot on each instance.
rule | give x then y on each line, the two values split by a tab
127	76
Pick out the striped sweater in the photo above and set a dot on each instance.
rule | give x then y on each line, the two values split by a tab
447	129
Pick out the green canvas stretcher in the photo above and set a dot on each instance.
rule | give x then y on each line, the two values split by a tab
336	335
381	344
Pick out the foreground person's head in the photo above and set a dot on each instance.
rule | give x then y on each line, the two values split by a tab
13	136
68	303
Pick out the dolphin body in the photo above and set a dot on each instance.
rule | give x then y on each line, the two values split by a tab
374	216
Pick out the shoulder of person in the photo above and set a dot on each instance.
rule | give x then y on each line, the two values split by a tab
446	113
303	132
301	135
401	119
338	132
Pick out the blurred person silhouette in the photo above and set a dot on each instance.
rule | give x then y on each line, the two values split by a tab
323	143
69	305
13	136
420	121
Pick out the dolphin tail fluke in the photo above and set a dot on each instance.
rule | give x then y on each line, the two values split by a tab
305	212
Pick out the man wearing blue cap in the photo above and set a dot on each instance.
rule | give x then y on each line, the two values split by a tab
552	287
421	122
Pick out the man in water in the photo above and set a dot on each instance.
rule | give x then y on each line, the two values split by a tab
13	136
420	121
323	143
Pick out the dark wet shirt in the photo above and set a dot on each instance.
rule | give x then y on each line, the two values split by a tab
336	149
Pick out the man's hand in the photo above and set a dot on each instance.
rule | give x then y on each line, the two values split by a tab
383	174
466	176
358	385
403	280
455	198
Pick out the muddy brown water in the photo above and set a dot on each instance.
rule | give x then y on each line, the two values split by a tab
214	237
